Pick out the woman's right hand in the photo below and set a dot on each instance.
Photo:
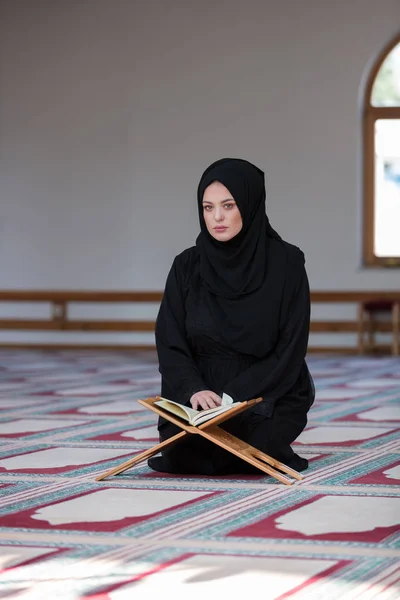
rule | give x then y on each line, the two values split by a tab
205	399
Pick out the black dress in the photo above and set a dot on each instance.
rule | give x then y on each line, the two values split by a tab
193	356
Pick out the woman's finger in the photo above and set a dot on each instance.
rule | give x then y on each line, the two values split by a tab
210	401
205	400
195	403
204	403
217	399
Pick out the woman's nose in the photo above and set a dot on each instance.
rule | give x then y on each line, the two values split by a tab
219	215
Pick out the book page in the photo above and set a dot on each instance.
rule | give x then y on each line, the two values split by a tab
226	399
206	415
174	408
185	412
194	417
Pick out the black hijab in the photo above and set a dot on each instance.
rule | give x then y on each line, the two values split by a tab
236	267
251	276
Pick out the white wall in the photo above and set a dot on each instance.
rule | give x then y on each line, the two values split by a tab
111	109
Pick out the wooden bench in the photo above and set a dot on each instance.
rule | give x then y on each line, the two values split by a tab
61	301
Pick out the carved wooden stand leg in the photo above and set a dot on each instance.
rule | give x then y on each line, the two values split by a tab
143	456
248	453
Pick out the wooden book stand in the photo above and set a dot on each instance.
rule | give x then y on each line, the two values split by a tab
212	432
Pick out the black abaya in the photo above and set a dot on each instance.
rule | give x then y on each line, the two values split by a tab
195	354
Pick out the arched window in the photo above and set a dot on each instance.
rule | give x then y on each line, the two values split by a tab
382	160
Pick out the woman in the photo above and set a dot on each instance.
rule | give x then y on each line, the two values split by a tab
235	319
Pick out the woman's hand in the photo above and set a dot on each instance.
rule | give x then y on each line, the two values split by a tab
205	399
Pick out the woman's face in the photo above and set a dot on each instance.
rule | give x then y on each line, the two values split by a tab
221	214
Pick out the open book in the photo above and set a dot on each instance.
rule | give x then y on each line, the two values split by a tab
194	417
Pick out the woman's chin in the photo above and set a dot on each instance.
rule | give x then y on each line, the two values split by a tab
223	236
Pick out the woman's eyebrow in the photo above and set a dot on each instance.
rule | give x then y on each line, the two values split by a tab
223	201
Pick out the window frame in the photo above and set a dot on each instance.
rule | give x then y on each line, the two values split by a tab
370	115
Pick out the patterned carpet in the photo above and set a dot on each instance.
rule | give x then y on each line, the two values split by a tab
68	416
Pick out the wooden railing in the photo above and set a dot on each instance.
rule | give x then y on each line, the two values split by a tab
60	302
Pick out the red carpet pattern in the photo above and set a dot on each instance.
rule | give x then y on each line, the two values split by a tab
69	416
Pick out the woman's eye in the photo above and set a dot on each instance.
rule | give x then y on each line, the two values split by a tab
208	208
229	206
